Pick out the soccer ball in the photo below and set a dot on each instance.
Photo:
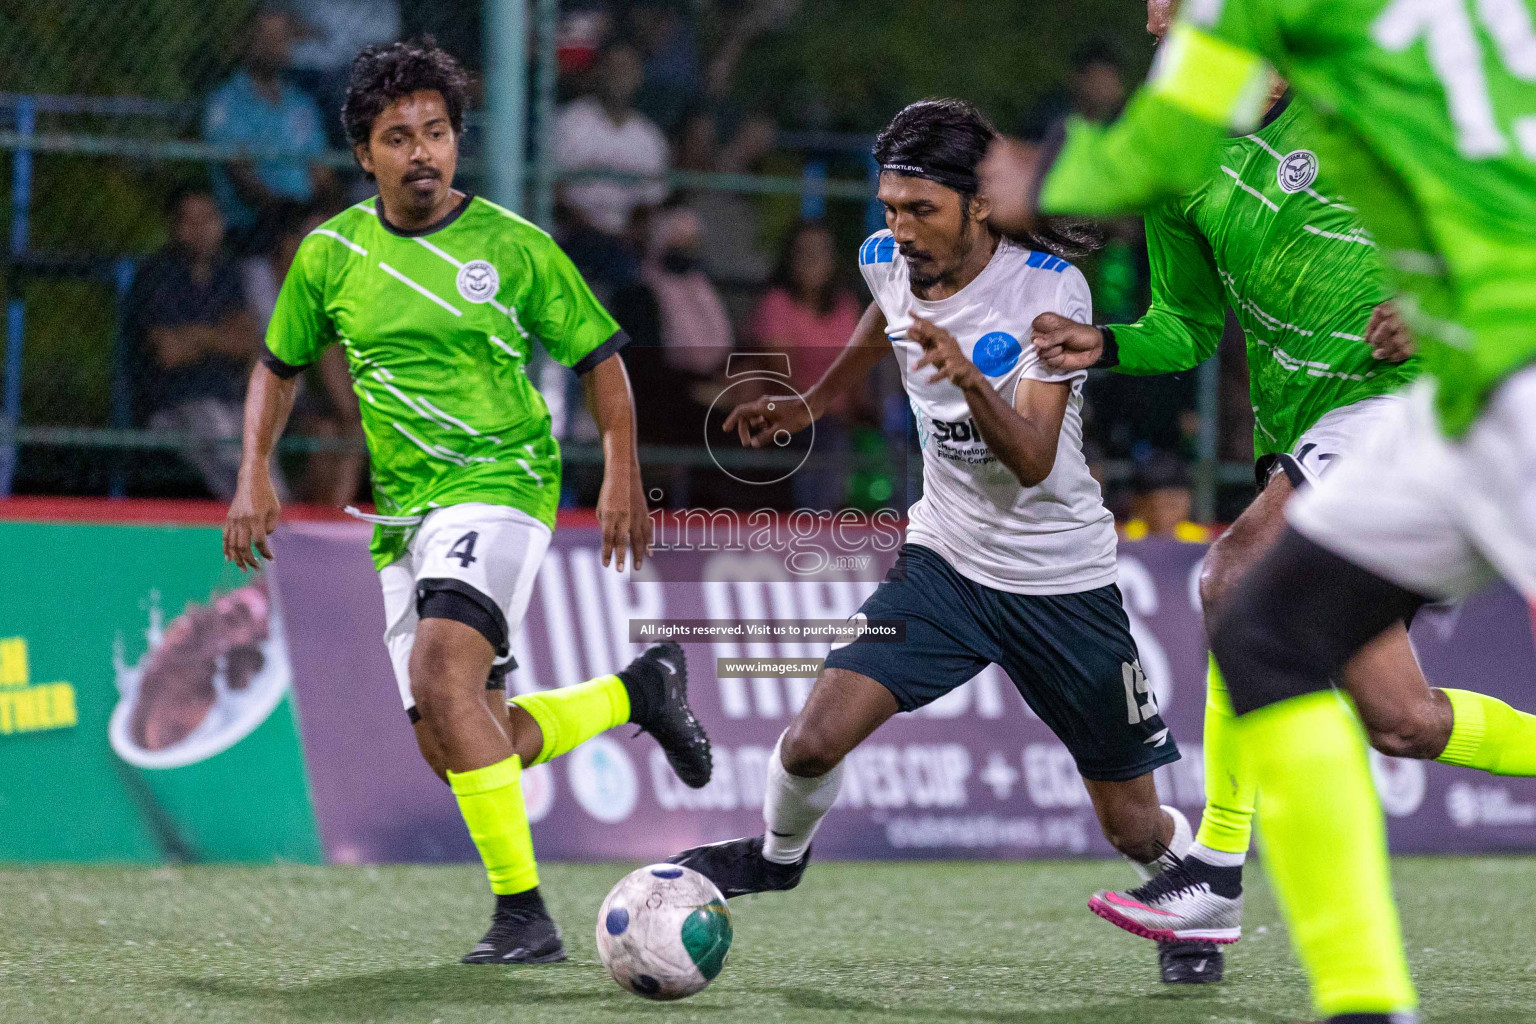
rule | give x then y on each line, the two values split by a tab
663	932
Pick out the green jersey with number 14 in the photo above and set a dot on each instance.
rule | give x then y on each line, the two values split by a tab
1427	123
1265	235
438	326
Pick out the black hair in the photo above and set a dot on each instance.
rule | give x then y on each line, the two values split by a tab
383	74
945	140
784	271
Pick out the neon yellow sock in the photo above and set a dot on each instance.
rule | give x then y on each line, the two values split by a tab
1325	846
491	801
1226	824
571	715
1490	735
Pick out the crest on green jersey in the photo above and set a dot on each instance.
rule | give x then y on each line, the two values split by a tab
478	281
1298	169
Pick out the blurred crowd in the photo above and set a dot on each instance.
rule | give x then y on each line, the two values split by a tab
694	274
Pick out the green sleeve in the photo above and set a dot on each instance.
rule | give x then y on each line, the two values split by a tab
562	312
1189	309
300	328
1207	82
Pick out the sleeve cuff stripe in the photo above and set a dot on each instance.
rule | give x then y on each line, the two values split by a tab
280	368
589	361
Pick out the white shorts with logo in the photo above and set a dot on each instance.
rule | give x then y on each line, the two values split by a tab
1337	433
493	549
1441	518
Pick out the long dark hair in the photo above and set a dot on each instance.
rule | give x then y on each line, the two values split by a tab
825	299
946	139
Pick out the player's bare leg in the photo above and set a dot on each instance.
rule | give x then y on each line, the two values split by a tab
468	738
805	772
1403	716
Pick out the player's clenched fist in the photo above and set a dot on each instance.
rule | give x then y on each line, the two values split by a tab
1066	345
942	352
1007	176
1388	335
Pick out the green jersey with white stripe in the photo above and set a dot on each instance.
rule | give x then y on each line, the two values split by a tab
438	326
1265	235
1427	118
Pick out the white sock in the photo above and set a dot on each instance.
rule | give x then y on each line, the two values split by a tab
793	807
1183	837
1181	843
1217	858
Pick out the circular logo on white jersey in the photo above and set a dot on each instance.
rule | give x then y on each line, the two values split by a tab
996	353
1298	169
603	779
478	281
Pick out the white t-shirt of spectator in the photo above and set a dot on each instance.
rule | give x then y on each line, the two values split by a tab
586	139
1054	538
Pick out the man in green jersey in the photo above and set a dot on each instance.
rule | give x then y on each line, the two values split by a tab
437	297
1427	122
1308	291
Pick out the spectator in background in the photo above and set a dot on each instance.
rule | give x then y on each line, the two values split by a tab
681	337
809	315
732	249
257	109
328	35
673	78
192	340
604	132
330	410
1162	497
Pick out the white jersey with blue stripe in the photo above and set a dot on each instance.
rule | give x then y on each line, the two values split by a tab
1053	538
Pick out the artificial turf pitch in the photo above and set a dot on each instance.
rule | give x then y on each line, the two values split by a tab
860	942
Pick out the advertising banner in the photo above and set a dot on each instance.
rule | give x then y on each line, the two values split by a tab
975	775
146	709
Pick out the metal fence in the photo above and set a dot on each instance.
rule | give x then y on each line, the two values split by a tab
100	108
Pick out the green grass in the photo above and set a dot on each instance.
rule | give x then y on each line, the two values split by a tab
897	943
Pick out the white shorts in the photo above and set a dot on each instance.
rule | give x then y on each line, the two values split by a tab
1441	518
1336	434
492	550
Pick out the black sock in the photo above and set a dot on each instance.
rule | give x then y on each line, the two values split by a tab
642	682
1224	881
529	902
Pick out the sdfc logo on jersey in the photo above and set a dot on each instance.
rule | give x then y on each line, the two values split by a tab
478	281
1298	169
996	353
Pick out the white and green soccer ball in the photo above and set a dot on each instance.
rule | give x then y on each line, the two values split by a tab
663	932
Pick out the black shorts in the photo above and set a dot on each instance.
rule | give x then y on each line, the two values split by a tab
1070	655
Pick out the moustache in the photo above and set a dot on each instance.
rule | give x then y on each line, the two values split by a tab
915	254
425	174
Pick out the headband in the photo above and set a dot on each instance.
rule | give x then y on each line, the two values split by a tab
961	181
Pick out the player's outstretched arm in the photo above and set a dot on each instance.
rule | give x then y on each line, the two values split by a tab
254	512
1023	436
1179	332
756	422
1202	88
621	506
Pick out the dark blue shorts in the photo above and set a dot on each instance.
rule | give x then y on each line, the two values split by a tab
1070	655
